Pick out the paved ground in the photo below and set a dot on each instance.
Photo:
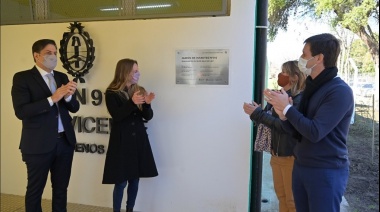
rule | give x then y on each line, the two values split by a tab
13	203
269	201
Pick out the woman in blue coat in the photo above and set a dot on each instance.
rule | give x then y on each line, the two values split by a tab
129	156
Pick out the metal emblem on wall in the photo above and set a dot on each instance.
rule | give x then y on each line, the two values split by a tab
77	51
202	67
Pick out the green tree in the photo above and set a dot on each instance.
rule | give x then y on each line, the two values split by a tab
362	57
353	15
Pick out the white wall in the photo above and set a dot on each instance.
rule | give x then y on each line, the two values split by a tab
200	135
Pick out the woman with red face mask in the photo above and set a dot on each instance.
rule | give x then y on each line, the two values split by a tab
292	80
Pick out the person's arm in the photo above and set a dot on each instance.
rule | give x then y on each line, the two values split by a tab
118	107
22	99
147	112
261	116
72	105
327	115
273	122
71	101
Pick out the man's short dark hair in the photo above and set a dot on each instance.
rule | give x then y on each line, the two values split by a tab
325	44
41	44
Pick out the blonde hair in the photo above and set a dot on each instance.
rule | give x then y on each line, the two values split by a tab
123	69
296	77
134	88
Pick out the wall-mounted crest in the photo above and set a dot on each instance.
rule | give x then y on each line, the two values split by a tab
77	51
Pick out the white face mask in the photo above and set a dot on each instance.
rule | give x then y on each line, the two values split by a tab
302	65
50	61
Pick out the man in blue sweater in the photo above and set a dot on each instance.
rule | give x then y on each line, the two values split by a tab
321	167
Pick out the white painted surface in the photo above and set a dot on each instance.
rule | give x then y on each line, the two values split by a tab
200	135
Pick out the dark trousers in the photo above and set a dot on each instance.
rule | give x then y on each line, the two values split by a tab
318	189
58	162
133	187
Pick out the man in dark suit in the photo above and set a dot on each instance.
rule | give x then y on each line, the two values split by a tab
42	99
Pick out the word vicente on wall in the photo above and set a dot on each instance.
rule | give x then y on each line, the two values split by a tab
100	125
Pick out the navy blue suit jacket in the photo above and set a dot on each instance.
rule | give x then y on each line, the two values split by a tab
39	119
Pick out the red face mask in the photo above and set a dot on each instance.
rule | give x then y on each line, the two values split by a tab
282	80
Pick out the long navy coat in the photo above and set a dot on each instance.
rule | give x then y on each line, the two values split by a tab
129	155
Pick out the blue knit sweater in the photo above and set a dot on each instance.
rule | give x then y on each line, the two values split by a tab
325	127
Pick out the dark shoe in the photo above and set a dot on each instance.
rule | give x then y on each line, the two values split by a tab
129	209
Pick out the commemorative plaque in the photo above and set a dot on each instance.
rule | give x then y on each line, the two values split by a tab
202	67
